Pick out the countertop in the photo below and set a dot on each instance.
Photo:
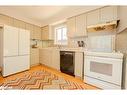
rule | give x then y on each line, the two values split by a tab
89	53
66	49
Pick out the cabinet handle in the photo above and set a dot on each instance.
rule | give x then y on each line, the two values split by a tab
68	54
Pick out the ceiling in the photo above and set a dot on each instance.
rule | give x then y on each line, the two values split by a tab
43	15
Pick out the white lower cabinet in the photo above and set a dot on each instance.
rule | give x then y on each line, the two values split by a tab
45	57
34	57
15	64
50	58
56	59
78	64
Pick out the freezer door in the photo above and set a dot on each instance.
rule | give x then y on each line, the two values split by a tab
24	42
16	64
10	41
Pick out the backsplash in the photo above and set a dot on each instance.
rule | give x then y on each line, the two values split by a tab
102	41
38	42
42	44
73	42
47	43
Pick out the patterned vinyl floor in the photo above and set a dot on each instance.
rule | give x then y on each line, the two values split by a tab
40	79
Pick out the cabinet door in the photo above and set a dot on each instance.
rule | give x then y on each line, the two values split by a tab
47	33
10	41
37	33
93	17
71	27
108	14
24	42
6	20
79	64
34	57
56	59
50	33
31	31
42	56
81	25
44	34
123	18
46	57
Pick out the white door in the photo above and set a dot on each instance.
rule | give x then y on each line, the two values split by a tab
24	42
10	41
16	64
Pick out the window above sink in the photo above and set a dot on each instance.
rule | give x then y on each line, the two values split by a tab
60	36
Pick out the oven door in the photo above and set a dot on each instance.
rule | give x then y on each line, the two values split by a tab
105	69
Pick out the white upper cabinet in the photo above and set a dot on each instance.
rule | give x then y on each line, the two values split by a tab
93	17
37	33
81	25
24	42
108	14
123	18
10	41
46	33
77	26
102	15
71	27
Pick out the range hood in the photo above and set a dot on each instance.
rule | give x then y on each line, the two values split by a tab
99	27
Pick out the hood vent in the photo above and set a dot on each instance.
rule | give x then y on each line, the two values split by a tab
103	26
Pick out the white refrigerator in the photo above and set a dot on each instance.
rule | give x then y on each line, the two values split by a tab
15	46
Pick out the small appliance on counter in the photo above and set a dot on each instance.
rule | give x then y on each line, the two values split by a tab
81	43
34	44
